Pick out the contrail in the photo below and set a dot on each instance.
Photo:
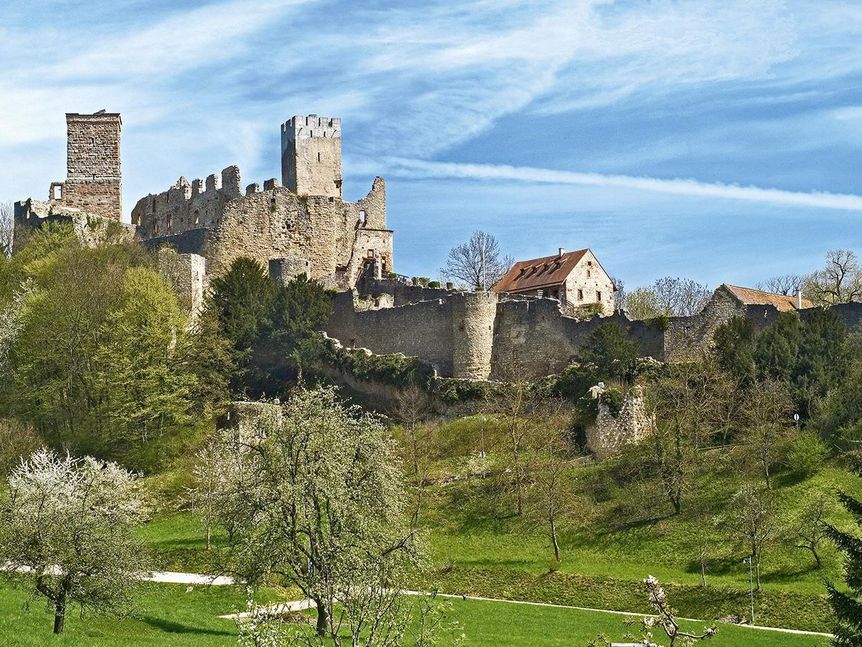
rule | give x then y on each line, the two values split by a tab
816	199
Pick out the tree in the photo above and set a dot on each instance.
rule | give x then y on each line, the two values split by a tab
611	352
848	606
7	228
686	405
145	369
767	415
478	263
786	284
808	528
551	495
643	303
316	497
751	521
665	618
840	280
668	296
412	404
735	343
67	525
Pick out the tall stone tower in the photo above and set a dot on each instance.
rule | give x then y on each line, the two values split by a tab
93	178
311	155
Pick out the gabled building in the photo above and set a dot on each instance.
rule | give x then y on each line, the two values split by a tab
752	297
576	279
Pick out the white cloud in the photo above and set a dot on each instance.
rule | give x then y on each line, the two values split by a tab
679	187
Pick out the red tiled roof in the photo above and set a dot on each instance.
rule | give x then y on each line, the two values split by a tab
750	296
539	273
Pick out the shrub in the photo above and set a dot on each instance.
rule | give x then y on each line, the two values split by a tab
433	284
805	454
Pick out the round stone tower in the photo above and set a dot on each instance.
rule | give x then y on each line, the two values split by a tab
473	315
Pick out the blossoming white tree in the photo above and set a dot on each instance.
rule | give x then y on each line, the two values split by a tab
315	496
66	528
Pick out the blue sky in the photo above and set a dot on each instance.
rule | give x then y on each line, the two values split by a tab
720	140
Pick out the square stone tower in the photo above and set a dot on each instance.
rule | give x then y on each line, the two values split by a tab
93	178
311	155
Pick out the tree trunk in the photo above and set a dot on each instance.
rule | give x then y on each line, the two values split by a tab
816	557
60	615
554	539
322	618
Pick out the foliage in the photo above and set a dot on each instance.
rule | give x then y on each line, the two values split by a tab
316	497
735	342
17	441
846	604
805	454
69	522
477	264
273	329
668	296
766	416
611	352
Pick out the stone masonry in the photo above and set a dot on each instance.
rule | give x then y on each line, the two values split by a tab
93	176
305	224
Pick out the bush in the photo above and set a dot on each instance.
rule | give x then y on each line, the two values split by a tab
805	454
433	284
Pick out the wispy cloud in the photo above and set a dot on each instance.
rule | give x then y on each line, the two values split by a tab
682	187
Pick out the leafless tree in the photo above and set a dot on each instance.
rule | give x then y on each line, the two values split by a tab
840	280
7	228
808	528
786	284
681	297
767	415
412	405
477	264
665	618
751	521
667	296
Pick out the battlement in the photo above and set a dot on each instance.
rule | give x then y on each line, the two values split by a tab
306	127
188	205
311	155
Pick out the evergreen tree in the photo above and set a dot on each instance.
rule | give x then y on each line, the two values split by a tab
848	606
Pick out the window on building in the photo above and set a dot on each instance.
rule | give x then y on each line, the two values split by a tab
318	157
598	296
580	295
540	293
370	253
197	217
362	216
169	222
589	273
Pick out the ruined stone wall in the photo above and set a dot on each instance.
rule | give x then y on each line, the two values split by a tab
532	338
311	155
610	433
401	293
217	220
93	173
90	229
423	330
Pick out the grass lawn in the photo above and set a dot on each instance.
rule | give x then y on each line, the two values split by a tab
618	535
167	614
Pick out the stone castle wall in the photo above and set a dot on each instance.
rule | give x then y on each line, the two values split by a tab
477	336
216	219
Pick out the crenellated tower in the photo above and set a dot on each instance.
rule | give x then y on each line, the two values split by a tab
311	155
